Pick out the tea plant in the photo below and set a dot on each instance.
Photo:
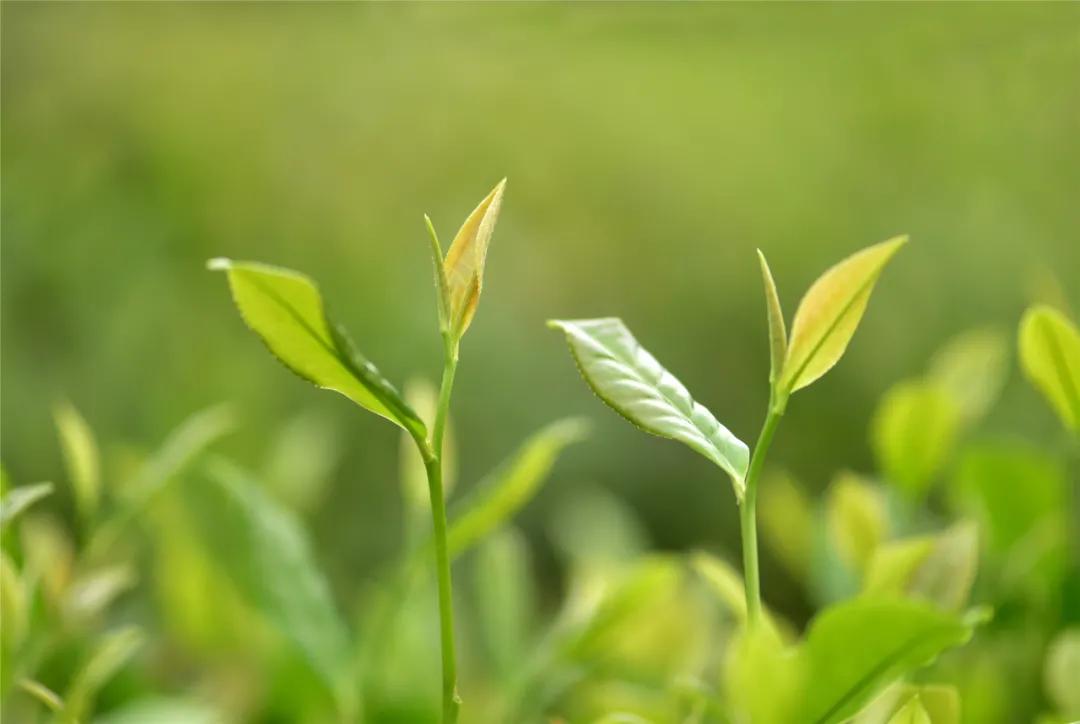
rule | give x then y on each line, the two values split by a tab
851	650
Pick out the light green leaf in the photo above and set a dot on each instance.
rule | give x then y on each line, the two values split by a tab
972	368
893	565
93	591
829	313
19	499
1050	356
942	703
266	553
464	264
913	712
893	638
502	494
43	694
111	654
15	605
947	575
630	381
442	286
788	518
1061	670
777	329
855	512
286	310
81	457
504	593
913	433
724	582
763	679
163	711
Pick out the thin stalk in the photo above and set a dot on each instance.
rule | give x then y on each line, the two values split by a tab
432	453
748	513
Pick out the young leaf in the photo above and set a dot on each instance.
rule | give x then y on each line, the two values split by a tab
15	604
913	712
464	264
1050	356
497	498
972	368
630	381
266	553
46	696
912	434
80	457
947	575
17	500
114	650
829	313
756	656
777	329
1059	674
893	565
442	286
857	521
894	638
788	518
286	310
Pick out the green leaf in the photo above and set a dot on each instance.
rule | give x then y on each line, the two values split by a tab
111	654
948	573
442	286
163	711
855	649
504	593
81	457
266	553
630	381
19	499
913	433
893	565
286	310
502	494
763	679
15	604
777	329
788	518
1060	672
43	694
972	368
829	313
464	264
856	518
1050	356
913	712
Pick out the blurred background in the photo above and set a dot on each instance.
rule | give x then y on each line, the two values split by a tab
649	151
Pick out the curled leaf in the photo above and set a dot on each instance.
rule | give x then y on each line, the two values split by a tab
1050	356
286	310
628	379
464	264
81	457
19	499
829	313
777	329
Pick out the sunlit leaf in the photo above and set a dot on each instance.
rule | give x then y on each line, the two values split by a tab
913	433
1050	356
777	329
19	499
465	259
755	657
972	369
49	554
894	638
829	313
893	565
267	555
942	703
93	591
81	457
110	655
630	380
1060	673
286	310
502	494
163	711
857	523
948	573
43	694
913	712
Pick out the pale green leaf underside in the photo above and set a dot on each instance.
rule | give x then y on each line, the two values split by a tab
830	312
19	499
630	380
286	310
1050	355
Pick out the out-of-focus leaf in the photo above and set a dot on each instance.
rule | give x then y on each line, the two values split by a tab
913	433
111	654
894	638
593	528
302	459
163	711
941	702
893	565
762	679
49	555
828	314
43	694
723	580
267	555
787	522
630	380
948	573
92	592
913	712
777	329
497	498
1062	671
13	604
81	457
465	259
286	310
1050	357
855	513
972	368
19	499
504	595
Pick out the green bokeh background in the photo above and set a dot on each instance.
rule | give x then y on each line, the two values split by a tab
650	149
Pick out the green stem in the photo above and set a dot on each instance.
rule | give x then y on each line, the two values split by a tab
432	454
748	513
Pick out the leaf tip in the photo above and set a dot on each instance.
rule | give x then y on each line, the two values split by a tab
219	263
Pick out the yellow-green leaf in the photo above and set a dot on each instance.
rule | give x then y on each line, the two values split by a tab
81	457
777	329
856	518
913	712
1060	672
464	264
829	313
286	310
19	499
113	651
1050	356
913	432
972	368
